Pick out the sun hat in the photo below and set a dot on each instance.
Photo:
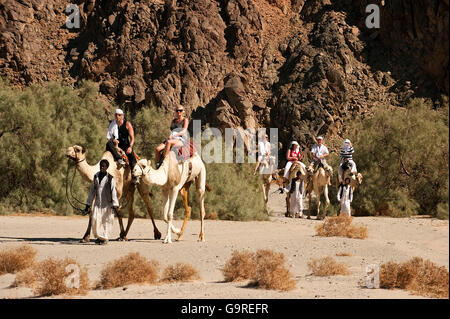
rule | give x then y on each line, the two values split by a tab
118	111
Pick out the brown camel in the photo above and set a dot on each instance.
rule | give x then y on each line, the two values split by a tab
265	167
123	184
355	178
318	183
296	167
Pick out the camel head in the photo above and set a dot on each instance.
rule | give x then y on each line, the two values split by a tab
296	167
141	168
358	178
76	153
328	171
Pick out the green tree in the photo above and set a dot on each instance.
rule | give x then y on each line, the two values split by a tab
403	155
37	125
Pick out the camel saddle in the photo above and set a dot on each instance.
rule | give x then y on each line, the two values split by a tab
125	157
186	151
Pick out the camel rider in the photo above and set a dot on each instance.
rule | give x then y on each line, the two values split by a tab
293	155
121	133
345	197
263	152
177	138
346	160
319	152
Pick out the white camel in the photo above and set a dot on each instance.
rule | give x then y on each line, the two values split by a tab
173	177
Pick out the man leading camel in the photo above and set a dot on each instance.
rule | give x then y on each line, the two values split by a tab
121	133
104	195
319	152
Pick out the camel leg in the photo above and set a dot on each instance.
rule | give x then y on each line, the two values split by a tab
201	181
87	234
145	195
288	196
168	215
185	195
130	197
309	204
318	204
327	200
264	193
119	217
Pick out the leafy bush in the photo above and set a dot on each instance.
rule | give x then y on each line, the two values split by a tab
403	154
37	125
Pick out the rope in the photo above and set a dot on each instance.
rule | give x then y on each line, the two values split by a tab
71	186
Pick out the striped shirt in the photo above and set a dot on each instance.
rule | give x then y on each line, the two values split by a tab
347	152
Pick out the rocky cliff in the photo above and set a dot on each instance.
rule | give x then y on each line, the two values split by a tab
304	66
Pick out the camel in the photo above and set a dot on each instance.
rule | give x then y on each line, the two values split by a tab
296	167
173	177
318	183
266	166
124	186
355	178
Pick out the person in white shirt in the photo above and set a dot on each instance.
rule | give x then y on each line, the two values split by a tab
104	196
346	159
263	151
319	152
345	197
121	134
296	189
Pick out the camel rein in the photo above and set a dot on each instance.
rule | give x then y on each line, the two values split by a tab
69	200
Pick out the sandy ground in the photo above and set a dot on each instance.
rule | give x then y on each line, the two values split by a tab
389	239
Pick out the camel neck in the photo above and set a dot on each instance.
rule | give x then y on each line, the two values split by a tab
86	171
159	176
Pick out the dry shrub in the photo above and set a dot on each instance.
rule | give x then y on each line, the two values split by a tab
54	277
16	259
241	266
327	266
25	278
416	275
341	226
344	254
271	272
130	269
180	272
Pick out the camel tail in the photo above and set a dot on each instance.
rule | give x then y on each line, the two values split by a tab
208	188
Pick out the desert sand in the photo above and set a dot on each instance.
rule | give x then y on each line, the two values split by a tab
389	239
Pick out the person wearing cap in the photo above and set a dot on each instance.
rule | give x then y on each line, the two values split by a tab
103	194
263	151
319	152
121	133
178	135
346	160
